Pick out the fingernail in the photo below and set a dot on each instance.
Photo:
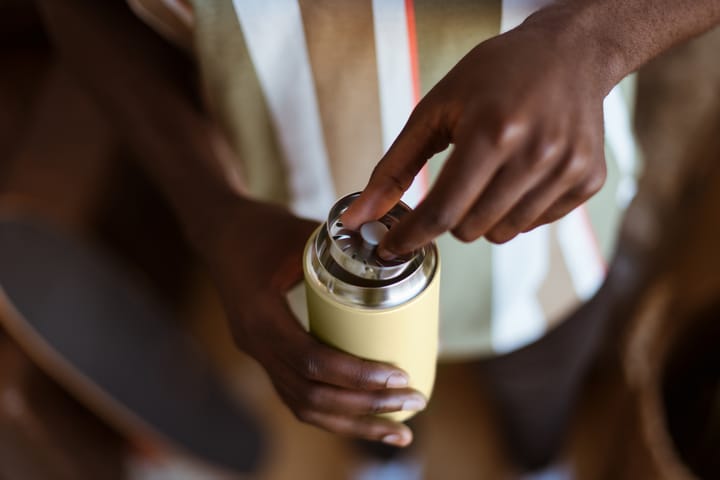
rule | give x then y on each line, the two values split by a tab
414	404
397	380
397	439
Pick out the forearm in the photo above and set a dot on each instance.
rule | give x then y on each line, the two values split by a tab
619	36
126	68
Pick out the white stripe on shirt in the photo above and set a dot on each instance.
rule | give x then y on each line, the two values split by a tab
275	37
395	78
520	266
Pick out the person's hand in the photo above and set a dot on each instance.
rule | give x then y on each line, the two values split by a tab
524	113
255	258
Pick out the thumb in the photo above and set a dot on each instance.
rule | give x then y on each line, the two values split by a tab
419	140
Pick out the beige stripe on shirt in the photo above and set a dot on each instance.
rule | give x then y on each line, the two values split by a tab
237	100
345	74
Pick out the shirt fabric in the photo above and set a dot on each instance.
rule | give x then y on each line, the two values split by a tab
311	93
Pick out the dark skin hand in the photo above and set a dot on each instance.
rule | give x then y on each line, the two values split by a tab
528	147
524	113
125	67
321	385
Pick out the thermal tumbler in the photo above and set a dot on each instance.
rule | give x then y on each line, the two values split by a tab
383	310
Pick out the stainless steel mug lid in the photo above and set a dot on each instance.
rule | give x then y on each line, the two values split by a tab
356	250
346	262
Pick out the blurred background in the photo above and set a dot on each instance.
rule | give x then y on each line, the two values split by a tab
74	204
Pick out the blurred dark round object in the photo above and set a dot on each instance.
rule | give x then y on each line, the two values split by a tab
20	24
691	394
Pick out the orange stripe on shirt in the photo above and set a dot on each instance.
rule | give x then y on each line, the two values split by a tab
423	176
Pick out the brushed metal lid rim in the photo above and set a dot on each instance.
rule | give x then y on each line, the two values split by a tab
364	263
386	294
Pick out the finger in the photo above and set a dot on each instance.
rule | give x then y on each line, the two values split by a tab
315	361
465	174
329	399
505	191
320	363
526	212
530	207
419	140
368	428
572	199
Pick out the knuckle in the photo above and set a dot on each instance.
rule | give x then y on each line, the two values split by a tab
421	110
423	116
314	396
304	415
361	378
438	219
514	221
576	167
397	183
546	153
590	186
509	129
390	180
465	234
554	213
428	122
500	235
598	177
593	185
311	367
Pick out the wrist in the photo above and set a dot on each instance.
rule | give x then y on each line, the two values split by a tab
579	32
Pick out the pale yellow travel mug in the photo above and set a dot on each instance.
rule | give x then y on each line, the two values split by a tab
372	308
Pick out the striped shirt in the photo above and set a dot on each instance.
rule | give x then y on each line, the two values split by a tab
311	93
